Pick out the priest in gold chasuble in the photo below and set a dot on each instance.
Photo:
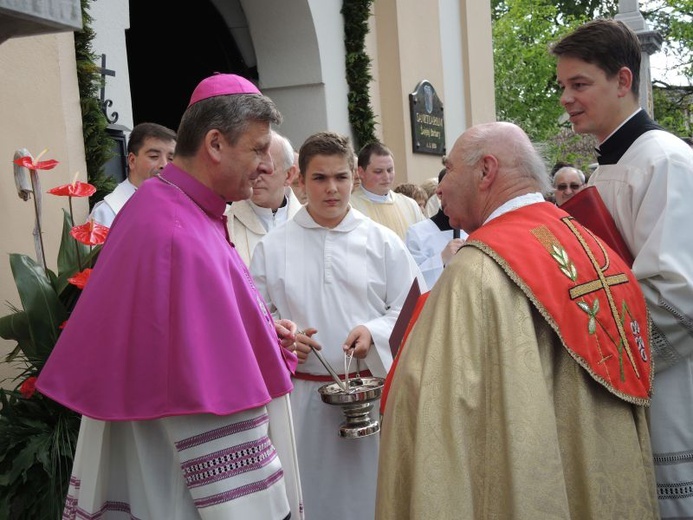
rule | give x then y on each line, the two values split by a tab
522	389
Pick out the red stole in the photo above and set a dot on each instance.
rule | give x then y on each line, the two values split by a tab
583	289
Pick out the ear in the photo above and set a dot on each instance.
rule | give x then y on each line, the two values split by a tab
291	175
131	161
489	171
214	143
625	81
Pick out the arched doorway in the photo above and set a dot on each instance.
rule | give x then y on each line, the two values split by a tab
170	52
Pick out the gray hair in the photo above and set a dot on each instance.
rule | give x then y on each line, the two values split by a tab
509	144
230	114
577	170
287	150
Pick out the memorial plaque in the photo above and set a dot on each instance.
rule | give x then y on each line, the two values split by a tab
427	123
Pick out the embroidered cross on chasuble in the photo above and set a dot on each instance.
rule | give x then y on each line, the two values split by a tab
583	289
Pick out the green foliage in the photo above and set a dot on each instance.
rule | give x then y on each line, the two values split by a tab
526	91
38	435
577	149
98	145
673	19
571	8
673	109
358	70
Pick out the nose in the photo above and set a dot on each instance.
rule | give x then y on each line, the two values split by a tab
266	165
566	97
163	161
332	185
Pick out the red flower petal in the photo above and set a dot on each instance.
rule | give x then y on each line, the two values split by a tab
28	387
91	234
76	189
28	162
80	279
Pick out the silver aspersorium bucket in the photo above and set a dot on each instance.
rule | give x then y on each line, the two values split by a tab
356	404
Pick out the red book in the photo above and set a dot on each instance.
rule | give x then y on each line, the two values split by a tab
405	315
589	209
405	322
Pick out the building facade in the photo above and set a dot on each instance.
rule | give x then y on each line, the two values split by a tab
293	49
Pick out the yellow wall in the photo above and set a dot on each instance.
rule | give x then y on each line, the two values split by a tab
405	46
39	108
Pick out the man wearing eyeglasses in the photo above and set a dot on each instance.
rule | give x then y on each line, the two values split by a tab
567	182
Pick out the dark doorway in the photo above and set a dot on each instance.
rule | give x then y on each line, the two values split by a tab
170	51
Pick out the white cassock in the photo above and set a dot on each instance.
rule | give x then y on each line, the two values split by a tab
105	211
187	467
248	223
358	273
426	241
649	192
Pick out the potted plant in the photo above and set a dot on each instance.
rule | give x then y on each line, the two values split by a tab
37	435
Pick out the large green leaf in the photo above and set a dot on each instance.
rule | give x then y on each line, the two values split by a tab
41	304
16	327
88	260
37	440
72	253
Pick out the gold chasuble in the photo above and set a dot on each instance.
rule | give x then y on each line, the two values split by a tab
521	390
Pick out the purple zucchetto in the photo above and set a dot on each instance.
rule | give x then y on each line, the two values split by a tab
222	85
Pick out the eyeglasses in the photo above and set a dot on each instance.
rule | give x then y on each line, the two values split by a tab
573	186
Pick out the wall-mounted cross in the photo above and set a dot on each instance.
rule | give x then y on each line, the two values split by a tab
106	103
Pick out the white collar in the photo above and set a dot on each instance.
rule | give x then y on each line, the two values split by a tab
374	197
269	217
516	203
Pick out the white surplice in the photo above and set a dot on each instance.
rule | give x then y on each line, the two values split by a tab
248	223
105	210
649	193
358	273
426	241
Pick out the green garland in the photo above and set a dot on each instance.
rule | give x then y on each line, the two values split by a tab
98	145
358	70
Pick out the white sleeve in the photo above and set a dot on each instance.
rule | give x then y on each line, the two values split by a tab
664	259
102	213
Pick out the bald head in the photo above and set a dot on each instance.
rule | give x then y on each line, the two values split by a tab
490	164
508	146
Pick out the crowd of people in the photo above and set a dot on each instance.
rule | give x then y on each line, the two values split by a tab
540	377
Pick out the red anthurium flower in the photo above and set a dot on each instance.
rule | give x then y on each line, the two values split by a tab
29	163
28	387
91	234
80	280
76	189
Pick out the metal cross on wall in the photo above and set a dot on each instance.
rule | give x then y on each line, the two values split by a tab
106	103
